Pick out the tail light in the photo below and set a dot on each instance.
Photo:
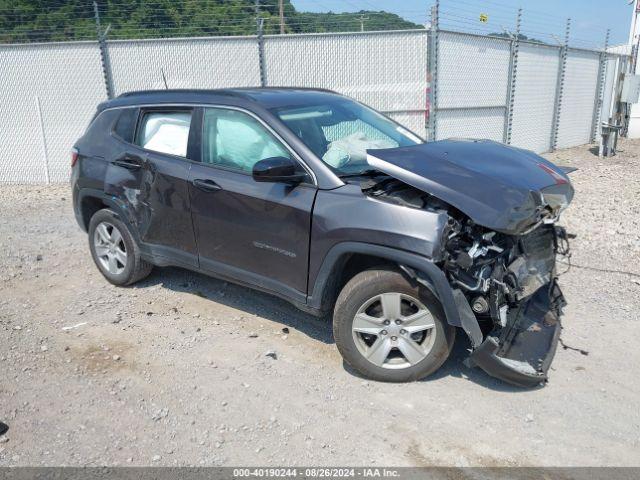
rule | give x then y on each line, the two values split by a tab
74	157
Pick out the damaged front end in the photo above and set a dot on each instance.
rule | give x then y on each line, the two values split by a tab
511	286
499	247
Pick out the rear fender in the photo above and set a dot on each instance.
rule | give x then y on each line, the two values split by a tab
118	206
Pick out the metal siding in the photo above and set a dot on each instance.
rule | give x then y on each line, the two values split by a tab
534	98
578	99
385	70
215	62
68	81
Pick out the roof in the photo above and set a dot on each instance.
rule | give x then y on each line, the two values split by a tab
267	97
624	49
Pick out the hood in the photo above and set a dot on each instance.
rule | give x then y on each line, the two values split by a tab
500	187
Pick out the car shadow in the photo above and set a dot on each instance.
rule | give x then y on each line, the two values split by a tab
235	296
455	367
280	311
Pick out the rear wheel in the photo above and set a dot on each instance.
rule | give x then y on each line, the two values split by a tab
390	330
114	251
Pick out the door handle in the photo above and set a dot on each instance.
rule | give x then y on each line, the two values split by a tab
206	185
130	162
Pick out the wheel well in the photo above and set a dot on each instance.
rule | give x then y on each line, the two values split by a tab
88	208
347	267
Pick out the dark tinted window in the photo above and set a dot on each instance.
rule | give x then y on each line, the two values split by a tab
126	124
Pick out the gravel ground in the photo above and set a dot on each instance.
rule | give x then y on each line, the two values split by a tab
176	371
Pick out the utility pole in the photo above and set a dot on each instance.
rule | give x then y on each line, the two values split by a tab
362	19
281	8
634	20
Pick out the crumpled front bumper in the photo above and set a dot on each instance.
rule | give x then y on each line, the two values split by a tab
524	349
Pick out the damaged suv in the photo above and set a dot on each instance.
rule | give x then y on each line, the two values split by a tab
334	207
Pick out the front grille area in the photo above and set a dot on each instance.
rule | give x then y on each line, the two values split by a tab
534	267
538	243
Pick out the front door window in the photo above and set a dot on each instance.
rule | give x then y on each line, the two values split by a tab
236	140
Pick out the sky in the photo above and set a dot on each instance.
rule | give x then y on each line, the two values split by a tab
543	19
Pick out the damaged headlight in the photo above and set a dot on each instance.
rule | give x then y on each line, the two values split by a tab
557	197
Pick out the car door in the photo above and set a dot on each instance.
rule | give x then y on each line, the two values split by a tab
149	174
254	232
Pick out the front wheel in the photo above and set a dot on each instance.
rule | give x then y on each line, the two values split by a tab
390	330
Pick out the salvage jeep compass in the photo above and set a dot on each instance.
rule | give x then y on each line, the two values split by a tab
320	200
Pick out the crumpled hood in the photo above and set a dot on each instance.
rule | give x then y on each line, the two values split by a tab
499	187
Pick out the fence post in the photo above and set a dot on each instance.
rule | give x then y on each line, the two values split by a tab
597	107
104	52
560	87
432	74
43	137
260	27
511	89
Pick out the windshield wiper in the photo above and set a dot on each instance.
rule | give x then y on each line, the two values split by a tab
364	173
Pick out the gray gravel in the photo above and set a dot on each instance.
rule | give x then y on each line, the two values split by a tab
187	370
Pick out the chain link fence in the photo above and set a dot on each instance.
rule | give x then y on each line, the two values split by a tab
472	81
578	107
474	96
528	94
216	62
48	94
535	96
385	70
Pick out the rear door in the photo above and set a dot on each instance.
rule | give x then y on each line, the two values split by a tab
149	174
254	232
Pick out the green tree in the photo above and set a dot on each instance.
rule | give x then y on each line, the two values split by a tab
55	20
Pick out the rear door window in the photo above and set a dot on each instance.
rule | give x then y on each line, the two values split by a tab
126	124
165	131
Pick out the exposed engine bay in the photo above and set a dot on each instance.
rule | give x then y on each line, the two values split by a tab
509	281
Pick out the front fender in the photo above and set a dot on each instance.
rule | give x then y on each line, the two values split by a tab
456	307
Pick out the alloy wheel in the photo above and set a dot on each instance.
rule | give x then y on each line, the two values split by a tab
394	330
110	248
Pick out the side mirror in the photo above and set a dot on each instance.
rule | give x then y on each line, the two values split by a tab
277	169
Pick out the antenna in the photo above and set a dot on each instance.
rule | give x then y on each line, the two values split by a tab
164	79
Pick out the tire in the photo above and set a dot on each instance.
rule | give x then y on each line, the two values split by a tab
111	244
420	313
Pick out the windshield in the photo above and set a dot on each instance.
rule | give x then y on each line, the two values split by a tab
340	131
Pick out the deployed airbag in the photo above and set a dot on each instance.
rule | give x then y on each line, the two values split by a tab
352	150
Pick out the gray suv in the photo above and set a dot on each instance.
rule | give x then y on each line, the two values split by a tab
320	200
